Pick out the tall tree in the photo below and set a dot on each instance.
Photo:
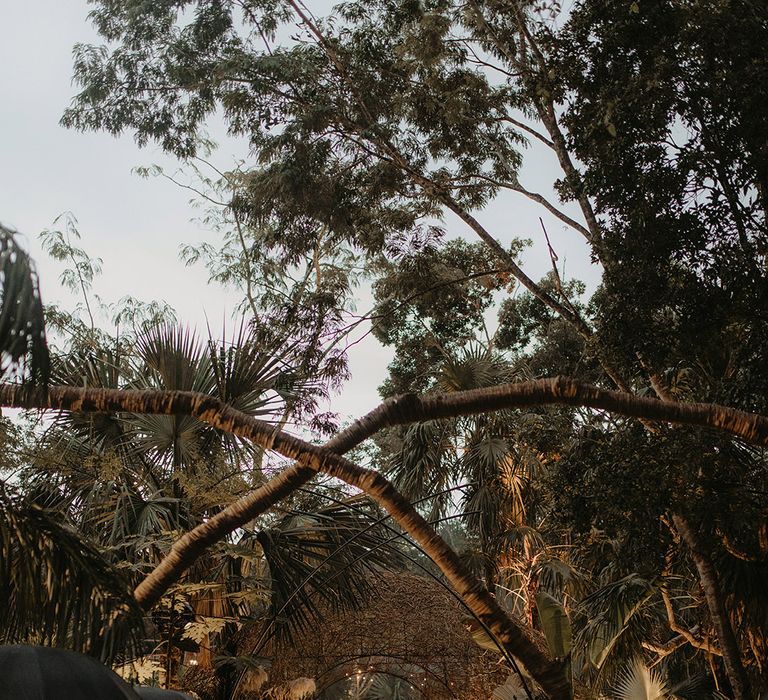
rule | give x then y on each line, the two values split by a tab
374	121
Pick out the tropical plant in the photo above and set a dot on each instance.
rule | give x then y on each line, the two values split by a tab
368	126
57	587
23	347
638	682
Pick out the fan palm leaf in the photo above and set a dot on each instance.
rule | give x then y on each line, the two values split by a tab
424	464
171	357
239	372
612	614
473	368
322	561
638	682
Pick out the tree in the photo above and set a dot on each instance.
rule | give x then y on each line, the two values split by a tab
56	584
373	122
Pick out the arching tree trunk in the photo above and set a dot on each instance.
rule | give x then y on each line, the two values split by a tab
548	672
409	408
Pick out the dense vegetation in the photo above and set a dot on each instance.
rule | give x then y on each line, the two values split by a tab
618	525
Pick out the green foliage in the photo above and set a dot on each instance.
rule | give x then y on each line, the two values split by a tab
78	278
555	624
23	347
323	561
681	184
369	125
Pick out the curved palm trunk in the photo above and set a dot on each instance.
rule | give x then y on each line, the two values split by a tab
710	584
548	672
404	409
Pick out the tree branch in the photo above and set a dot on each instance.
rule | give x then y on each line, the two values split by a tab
713	594
524	127
400	410
685	635
539	199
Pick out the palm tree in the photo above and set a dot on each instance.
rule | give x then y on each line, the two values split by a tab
132	481
56	585
22	324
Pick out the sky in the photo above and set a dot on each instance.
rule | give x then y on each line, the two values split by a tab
136	226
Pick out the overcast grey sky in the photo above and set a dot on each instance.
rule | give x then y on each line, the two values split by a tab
136	226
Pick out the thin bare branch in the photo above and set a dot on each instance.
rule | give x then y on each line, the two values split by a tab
686	635
529	130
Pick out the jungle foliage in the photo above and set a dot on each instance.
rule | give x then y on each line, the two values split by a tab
636	550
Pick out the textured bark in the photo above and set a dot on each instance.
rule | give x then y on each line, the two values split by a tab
750	427
400	410
710	584
191	545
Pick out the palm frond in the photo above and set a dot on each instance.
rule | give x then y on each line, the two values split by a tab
511	690
559	576
172	441
91	367
474	368
252	379
388	687
87	437
129	519
555	624
322	561
23	348
57	588
423	465
247	376
638	682
173	358
239	372
612	613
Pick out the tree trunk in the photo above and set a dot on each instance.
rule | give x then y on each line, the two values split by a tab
401	410
710	584
549	673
